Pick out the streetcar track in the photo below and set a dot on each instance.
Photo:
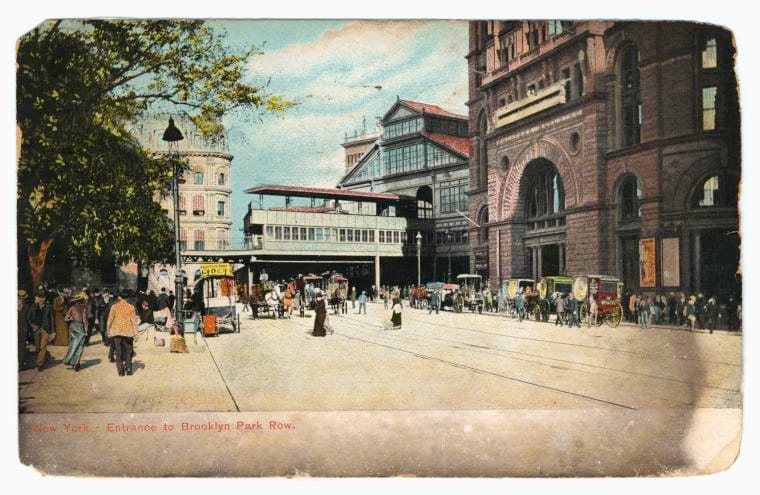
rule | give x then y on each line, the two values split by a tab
486	372
609	349
539	356
400	338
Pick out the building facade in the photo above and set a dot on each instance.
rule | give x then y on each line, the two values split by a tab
605	147
204	194
357	144
423	154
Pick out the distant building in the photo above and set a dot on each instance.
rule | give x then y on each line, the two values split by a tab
357	145
204	199
605	147
423	153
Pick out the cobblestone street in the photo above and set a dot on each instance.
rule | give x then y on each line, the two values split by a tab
445	361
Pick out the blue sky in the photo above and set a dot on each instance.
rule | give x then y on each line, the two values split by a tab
332	68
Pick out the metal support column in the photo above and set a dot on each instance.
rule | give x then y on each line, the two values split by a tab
377	273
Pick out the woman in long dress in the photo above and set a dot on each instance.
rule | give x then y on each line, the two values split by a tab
321	313
77	318
396	313
59	318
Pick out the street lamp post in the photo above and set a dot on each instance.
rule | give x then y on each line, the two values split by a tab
449	235
172	135
419	258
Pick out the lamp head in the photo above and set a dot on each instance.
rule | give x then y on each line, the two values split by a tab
172	134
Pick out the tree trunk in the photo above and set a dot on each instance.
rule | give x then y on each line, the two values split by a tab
37	261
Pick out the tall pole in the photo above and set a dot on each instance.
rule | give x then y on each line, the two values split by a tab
177	254
419	258
448	241
172	135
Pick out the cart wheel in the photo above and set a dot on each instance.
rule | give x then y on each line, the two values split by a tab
615	315
584	314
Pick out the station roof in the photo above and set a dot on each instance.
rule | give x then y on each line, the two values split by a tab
432	109
322	192
460	144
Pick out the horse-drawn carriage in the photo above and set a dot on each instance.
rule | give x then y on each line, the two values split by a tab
470	286
606	292
533	304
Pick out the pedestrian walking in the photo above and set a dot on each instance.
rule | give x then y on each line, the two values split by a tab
78	329
362	303
711	314
559	302
699	311
171	300
353	297
642	310
593	313
690	311
23	325
520	305
572	309
731	314
40	321
633	308
163	299
384	295
122	328
435	302
396	314
320	310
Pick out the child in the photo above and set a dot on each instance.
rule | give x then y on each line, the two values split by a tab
177	342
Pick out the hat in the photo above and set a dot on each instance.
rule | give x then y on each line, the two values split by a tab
125	293
39	299
79	296
22	294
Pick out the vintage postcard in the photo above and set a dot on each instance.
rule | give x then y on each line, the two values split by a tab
341	248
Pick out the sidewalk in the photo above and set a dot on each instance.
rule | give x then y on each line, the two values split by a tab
162	381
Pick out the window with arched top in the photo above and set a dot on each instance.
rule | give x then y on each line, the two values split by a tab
198	177
221	179
631	110
630	195
483	222
545	202
716	191
482	152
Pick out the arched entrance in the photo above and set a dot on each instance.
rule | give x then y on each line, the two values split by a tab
424	202
543	196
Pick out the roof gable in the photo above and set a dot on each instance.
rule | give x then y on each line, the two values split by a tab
362	165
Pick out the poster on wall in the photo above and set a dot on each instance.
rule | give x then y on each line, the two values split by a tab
671	276
647	274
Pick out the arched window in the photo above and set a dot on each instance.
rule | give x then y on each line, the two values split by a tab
630	101
482	152
197	176
716	191
483	221
221	179
424	202
545	198
630	198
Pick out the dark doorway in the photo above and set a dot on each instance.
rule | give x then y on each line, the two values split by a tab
630	261
719	261
550	260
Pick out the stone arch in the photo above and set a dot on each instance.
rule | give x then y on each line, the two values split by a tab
690	179
614	192
510	204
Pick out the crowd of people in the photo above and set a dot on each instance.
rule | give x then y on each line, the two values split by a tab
69	317
695	312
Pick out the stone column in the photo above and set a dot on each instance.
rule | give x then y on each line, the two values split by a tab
539	268
561	259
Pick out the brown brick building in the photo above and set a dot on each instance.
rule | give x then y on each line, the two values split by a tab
605	147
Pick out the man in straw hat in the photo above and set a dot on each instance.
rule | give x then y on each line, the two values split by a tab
122	328
40	320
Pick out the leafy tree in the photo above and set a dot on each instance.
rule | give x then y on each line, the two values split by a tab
82	177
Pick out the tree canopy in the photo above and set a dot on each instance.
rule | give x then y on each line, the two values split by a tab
82	177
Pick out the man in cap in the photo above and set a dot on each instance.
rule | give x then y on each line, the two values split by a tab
40	320
122	327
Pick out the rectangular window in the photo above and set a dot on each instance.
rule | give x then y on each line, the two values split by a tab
372	236
295	233
578	81
454	196
710	54
349	235
709	107
220	208
342	235
199	245
286	233
319	234
311	233
334	236
365	236
183	245
278	233
303	233
565	76
396	239
555	28
382	236
270	232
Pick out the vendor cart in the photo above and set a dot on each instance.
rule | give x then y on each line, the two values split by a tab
217	287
